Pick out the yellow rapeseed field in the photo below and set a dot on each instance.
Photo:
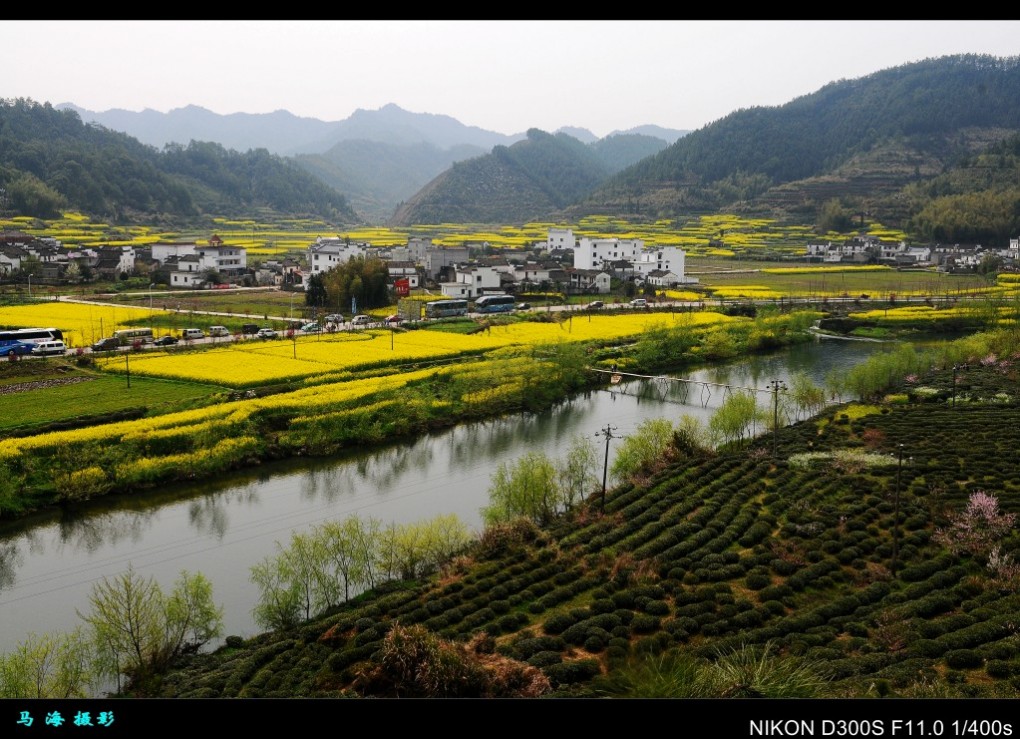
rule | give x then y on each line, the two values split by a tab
253	362
82	324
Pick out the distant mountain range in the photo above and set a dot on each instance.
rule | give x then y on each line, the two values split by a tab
932	148
376	158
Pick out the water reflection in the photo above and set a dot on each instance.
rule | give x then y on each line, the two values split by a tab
221	528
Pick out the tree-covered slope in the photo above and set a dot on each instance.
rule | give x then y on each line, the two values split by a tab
531	179
927	107
50	160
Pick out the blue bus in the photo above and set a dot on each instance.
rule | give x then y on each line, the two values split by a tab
495	304
30	335
444	308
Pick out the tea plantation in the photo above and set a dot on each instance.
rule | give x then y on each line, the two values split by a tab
831	564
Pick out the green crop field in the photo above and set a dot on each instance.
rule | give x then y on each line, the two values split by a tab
41	398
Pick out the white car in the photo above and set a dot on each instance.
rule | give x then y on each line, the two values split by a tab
639	303
44	348
265	333
361	320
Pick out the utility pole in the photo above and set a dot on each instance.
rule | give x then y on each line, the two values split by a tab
956	368
775	386
608	433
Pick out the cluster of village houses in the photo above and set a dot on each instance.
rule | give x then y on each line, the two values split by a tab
946	257
567	264
564	263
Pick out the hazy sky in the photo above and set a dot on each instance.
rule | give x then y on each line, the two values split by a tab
503	76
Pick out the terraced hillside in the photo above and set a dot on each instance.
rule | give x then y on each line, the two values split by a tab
831	556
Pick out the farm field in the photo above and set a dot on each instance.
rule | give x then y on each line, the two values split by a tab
805	281
252	363
708	235
36	399
827	563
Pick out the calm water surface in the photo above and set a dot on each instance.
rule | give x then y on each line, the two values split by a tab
49	564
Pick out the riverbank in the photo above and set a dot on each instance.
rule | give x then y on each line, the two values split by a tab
819	559
318	419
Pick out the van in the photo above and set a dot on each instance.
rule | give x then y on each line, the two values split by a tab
49	347
639	303
361	320
219	331
192	333
107	344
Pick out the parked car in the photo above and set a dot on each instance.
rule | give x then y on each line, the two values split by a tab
219	331
266	333
44	348
639	303
596	304
312	327
394	319
193	333
524	306
106	344
167	340
335	318
361	320
250	328
17	347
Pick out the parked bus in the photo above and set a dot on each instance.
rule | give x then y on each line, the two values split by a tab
128	336
30	335
443	308
495	304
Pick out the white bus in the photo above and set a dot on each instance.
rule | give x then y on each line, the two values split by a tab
128	336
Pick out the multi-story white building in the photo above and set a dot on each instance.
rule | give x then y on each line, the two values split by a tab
602	253
471	282
227	260
327	253
561	238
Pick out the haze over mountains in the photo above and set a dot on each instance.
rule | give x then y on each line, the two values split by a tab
932	147
376	158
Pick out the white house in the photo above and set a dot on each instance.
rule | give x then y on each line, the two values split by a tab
327	253
229	261
589	281
10	259
602	253
161	252
561	238
471	282
662	278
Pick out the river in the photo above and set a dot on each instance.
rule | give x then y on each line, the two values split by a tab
49	563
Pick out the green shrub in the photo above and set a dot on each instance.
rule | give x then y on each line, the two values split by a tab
961	659
575	671
998	668
545	658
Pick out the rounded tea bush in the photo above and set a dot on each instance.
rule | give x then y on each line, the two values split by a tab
961	659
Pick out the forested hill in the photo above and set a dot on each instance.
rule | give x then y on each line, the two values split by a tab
921	116
50	161
532	179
